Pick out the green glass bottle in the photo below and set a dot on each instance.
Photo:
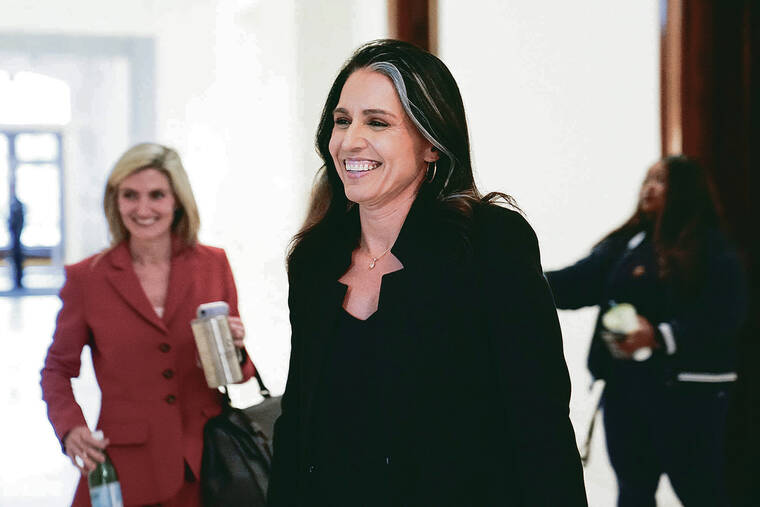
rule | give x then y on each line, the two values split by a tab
105	490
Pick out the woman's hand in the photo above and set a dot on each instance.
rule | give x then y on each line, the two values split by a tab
641	337
238	331
83	449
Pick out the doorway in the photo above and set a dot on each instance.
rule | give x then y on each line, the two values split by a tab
31	247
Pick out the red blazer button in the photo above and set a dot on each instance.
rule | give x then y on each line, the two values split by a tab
168	373
170	399
164	347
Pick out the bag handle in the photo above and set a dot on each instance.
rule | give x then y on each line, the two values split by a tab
263	389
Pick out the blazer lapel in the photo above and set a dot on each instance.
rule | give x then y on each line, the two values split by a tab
181	280
124	280
430	252
322	302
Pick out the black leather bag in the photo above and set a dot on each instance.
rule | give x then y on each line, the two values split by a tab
237	453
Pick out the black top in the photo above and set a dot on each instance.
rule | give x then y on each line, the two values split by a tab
475	390
352	445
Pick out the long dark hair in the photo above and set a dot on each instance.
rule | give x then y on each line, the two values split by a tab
680	229
431	99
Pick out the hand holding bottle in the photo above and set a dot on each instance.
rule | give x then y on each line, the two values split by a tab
628	335
84	450
640	338
103	481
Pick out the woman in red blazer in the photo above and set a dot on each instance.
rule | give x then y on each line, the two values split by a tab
133	304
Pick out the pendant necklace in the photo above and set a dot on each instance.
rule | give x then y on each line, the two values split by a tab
375	259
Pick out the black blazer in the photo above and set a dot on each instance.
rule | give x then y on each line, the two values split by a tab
478	402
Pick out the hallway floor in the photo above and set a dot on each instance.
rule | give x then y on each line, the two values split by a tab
34	473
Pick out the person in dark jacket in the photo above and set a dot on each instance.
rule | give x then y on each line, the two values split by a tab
664	410
16	226
426	364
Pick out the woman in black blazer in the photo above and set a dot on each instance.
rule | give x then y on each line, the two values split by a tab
426	364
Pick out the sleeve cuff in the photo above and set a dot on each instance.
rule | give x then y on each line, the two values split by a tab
667	337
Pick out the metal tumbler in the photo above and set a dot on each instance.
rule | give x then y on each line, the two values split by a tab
221	364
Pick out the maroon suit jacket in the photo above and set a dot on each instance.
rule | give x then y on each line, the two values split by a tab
155	400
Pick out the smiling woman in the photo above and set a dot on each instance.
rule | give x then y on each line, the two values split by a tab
379	153
397	287
133	304
157	172
146	205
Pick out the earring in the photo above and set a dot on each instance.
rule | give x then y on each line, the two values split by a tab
432	177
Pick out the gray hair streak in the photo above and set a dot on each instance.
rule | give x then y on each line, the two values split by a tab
391	71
